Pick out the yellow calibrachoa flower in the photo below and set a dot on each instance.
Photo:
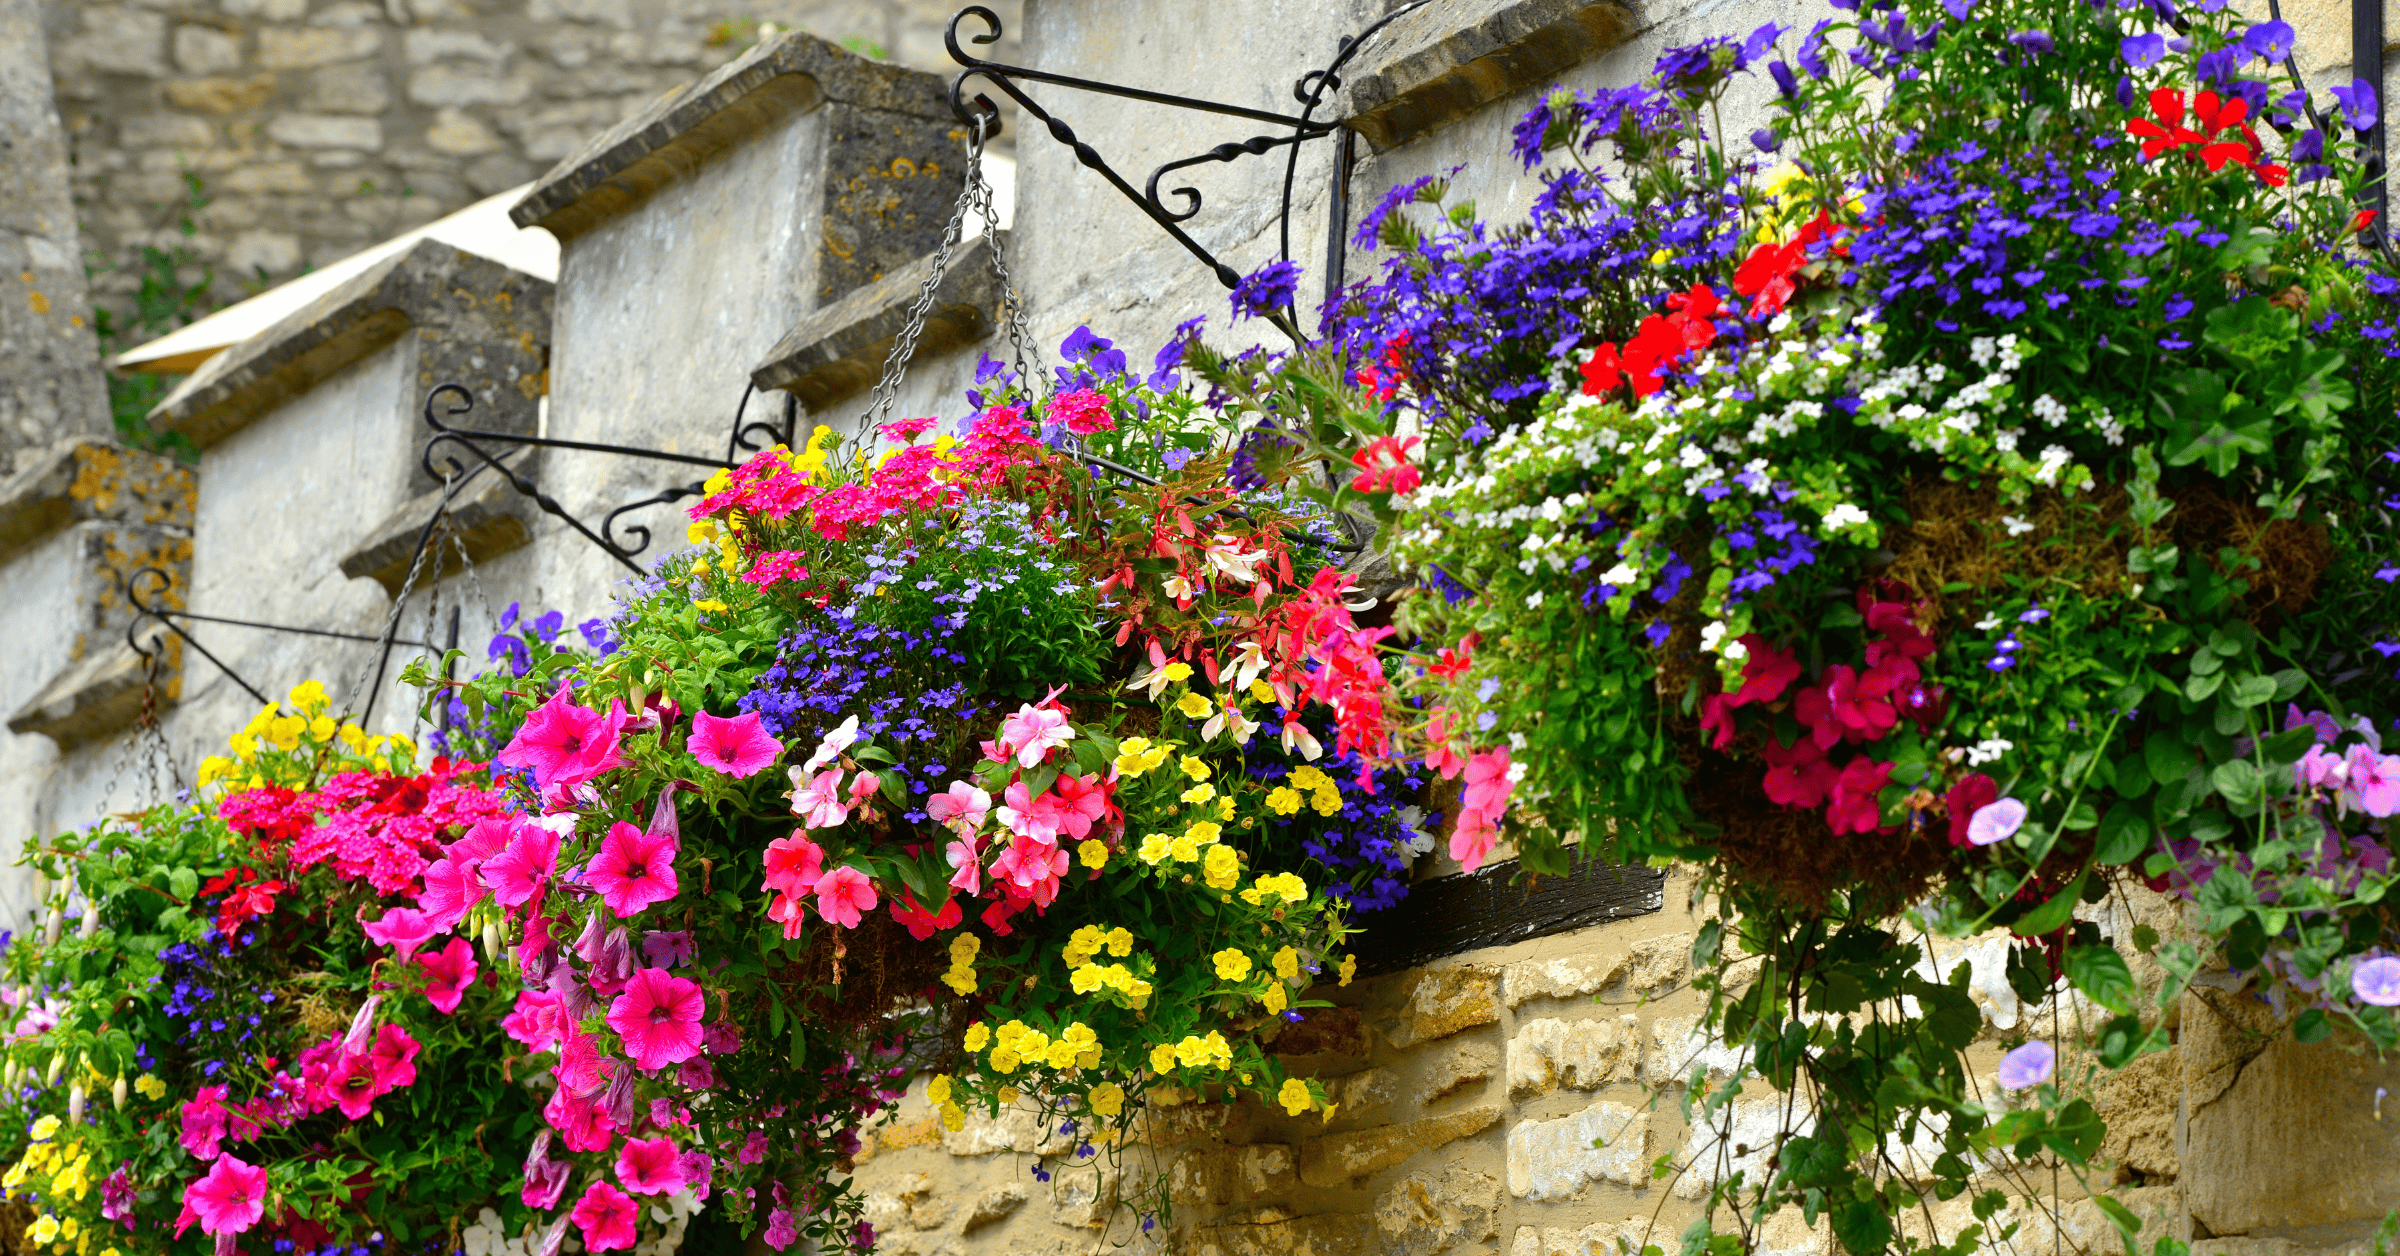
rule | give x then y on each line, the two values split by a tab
1232	964
1349	968
1223	868
45	1228
1201	792
150	1087
1205	832
1032	1044
1005	1060
1193	705
1107	1099
937	1091
1086	979
69	1228
1007	1096
1286	885
1136	755
1283	800
1308	776
1277	999
1162	1058
45	1128
954	1118
1287	963
1094	853
1262	691
1120	941
1194	768
1295	1097
978	1035
1155	847
710	604
1225	807
321	728
310	696
15	1177
213	767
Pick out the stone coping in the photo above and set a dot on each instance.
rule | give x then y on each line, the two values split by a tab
682	130
84	478
488	519
1453	57
839	351
100	694
248	381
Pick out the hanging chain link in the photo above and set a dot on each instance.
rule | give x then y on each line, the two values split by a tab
391	622
976	196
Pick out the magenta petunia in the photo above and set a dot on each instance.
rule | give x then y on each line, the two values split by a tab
650	1166
545	1179
534	1020
658	1016
394	1058
737	747
517	874
451	891
565	744
403	929
448	974
204	1123
605	1215
231	1198
633	869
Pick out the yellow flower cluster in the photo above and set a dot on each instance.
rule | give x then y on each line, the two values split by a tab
151	1087
1297	1098
1085	947
963	950
1136	755
1193	1052
937	1093
1232	964
1183	848
1017	1044
1326	797
272	731
1284	885
68	1170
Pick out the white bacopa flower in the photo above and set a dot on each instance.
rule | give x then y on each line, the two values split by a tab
1845	515
1620	575
2016	526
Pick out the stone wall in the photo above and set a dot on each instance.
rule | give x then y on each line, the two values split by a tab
318	127
49	380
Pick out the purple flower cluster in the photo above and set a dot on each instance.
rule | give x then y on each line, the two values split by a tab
1373	840
903	686
206	1000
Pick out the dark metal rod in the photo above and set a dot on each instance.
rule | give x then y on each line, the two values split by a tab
248	623
523	486
546	442
1337	214
142	610
998	70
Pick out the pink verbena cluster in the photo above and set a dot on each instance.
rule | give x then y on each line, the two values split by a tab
775	486
371	826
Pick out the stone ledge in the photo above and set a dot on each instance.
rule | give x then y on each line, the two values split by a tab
100	695
484	311
1453	57
839	351
684	129
489	520
86	478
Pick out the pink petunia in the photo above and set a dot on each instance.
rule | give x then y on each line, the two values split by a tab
204	1123
403	929
231	1198
2373	781
448	974
697	1168
582	1123
351	1085
633	869
534	1020
451	891
818	802
545	1179
605	1215
579	1066
962	807
844	896
793	864
738	747
517	874
565	744
649	1166
394	1058
658	1016
1033	732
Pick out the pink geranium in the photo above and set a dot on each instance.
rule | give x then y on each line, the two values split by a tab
962	807
633	869
403	929
520	872
1033	732
738	747
534	1020
658	1016
605	1215
793	864
1489	782
844	896
448	974
818	802
565	744
649	1166
230	1199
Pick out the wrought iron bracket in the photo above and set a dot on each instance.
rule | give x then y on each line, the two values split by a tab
146	609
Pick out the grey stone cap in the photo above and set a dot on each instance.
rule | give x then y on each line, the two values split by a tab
681	130
839	351
86	478
101	694
242	384
1453	57
489	519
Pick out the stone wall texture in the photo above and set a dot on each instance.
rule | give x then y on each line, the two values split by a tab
50	385
318	127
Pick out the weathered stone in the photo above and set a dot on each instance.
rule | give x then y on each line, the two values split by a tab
496	173
2139	1102
1334	1159
114	40
2274	1134
885	1211
477	323
85	480
222	95
461	85
270	252
104	693
1659	964
1740	1139
1579	1055
424	47
50	382
839	351
1362	1094
981	1135
347	89
1222	1175
286	49
458	133
272	10
1425	1214
1453	57
270	176
1324	1031
206	50
1456	1068
921	1132
317	130
1325	1234
486	521
165	130
993	1206
1555	1160
930	1213
1566	978
1443	1001
1677	1047
1601	1238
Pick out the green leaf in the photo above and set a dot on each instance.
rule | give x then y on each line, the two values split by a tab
2076	1131
2129	1227
2238	781
2048	917
1862	1229
184	883
2169	759
2124	835
2199	687
2250	689
2102	974
2312	1025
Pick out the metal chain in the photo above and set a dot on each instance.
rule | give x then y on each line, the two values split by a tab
975	196
391	622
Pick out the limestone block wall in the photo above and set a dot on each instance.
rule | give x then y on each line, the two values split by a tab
321	126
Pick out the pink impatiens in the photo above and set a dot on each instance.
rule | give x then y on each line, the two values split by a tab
738	747
658	1016
633	869
844	896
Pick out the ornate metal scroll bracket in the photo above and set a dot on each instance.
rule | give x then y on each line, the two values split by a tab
1292	131
146	585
